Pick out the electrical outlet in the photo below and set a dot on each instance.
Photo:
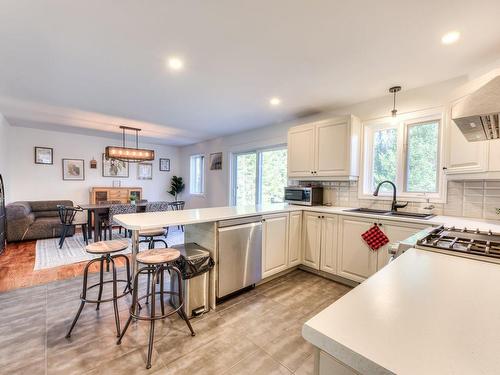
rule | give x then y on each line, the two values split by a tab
497	210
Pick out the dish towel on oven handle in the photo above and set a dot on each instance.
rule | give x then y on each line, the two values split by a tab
375	238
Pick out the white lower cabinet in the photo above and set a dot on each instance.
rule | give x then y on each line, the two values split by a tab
295	239
328	258
395	232
327	242
312	239
356	261
274	244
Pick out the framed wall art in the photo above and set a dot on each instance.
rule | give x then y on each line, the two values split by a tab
44	155
216	161
73	169
144	171
114	168
165	165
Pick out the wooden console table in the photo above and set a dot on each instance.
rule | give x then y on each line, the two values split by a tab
122	194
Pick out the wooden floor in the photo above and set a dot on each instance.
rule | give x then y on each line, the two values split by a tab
18	261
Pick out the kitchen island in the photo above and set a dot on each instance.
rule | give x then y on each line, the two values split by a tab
425	313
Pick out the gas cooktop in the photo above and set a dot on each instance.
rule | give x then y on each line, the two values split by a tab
465	242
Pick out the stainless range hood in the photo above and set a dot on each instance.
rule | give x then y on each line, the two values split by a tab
477	114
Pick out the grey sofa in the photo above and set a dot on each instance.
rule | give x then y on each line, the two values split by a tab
34	220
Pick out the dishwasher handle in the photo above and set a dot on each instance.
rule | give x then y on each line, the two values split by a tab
239	221
241	226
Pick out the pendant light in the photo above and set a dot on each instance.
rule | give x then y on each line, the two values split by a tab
127	153
394	90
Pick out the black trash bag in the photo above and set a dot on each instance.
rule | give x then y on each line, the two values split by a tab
194	267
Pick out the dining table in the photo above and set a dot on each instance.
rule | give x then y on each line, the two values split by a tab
97	212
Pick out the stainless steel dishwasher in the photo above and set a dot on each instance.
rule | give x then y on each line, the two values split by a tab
239	254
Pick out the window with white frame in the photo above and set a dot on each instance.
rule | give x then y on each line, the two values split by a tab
259	176
197	174
406	152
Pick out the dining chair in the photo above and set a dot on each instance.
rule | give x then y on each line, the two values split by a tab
116	209
178	206
67	216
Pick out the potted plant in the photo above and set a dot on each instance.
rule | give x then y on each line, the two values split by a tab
176	186
133	199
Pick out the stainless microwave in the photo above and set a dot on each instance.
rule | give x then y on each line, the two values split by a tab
304	195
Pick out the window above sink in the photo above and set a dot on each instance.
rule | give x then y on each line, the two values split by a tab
407	150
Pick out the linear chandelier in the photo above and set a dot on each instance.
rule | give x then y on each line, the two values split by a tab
127	153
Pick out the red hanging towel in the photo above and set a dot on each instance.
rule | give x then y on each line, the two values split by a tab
375	238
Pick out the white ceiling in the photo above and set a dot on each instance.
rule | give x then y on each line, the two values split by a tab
100	63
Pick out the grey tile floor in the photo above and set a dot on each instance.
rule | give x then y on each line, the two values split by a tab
258	332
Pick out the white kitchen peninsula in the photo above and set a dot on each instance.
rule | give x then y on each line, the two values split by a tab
425	313
320	239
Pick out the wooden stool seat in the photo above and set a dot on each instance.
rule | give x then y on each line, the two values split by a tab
107	247
152	232
158	256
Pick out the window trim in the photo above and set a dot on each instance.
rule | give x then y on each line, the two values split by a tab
407	125
401	123
191	180
258	173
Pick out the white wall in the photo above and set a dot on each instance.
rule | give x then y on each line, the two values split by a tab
30	181
218	182
4	133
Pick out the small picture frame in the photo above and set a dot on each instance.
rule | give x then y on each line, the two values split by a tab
164	165
114	167
144	171
44	155
216	161
73	169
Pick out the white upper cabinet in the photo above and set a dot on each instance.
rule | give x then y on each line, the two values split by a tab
494	157
326	149
465	156
275	244
301	160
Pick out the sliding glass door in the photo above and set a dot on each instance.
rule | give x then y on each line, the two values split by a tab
260	176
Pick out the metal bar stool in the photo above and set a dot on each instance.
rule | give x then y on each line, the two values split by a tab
156	261
105	249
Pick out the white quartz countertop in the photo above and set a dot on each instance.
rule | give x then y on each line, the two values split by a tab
150	220
424	313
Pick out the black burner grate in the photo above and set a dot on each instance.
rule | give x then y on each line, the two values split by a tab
465	241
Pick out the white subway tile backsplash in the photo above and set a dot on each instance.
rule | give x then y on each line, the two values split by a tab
492	184
477	199
473	192
492	192
473	199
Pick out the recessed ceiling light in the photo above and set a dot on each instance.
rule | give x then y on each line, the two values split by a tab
175	63
275	101
451	37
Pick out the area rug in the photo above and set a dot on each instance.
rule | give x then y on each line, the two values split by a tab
48	254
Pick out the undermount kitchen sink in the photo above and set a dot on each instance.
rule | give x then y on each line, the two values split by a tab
368	211
391	213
